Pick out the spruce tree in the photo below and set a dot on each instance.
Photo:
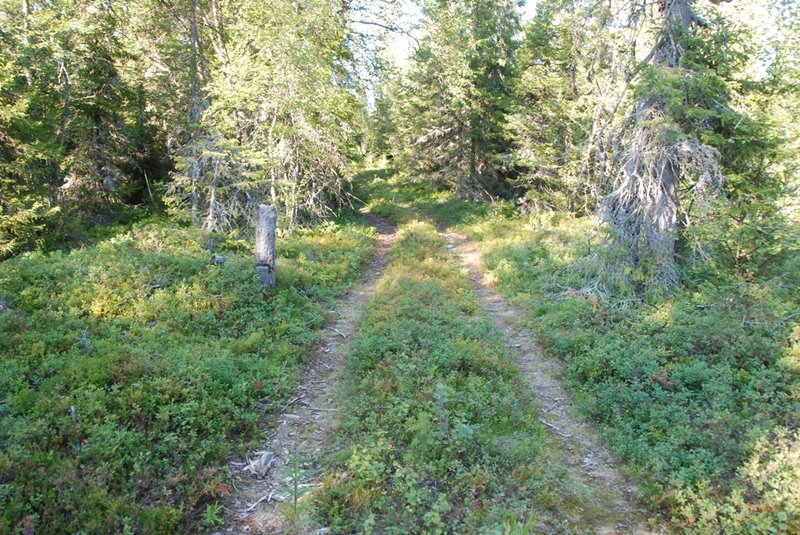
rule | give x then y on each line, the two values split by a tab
456	97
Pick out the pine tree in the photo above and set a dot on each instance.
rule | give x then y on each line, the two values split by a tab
663	152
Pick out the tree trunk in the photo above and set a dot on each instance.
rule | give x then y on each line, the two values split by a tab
645	205
66	94
466	185
265	244
273	192
195	172
26	12
678	20
473	160
194	114
211	219
194	85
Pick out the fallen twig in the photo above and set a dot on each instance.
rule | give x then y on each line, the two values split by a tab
264	498
295	400
554	428
551	407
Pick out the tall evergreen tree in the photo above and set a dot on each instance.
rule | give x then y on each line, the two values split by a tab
456	97
677	145
73	135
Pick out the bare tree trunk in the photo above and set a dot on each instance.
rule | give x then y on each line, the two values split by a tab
678	20
194	175
211	219
273	193
644	207
66	94
273	178
473	161
266	224
466	182
194	85
26	12
195	113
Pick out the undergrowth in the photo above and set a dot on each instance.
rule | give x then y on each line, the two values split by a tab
698	392
689	389
129	366
441	434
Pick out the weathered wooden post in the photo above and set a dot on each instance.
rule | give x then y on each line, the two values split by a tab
265	244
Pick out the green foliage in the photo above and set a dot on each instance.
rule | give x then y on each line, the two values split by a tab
217	105
22	226
73	119
212	516
129	365
764	497
280	124
554	103
381	130
452	106
442	438
695	391
296	509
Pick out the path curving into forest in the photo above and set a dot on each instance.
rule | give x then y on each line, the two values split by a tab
613	497
261	493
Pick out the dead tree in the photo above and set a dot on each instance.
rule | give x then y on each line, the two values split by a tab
265	244
644	208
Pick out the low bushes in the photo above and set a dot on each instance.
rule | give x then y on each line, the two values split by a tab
441	437
129	366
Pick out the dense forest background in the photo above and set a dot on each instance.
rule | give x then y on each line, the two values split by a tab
656	145
206	108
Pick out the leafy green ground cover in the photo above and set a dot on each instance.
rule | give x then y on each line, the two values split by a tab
443	435
164	358
698	392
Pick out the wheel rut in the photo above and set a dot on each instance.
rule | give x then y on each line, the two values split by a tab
611	496
262	483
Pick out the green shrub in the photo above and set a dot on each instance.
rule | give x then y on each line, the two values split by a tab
441	436
699	391
22	222
131	368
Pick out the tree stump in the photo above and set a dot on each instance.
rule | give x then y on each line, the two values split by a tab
265	244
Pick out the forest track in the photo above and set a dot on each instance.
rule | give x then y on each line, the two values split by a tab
613	497
261	497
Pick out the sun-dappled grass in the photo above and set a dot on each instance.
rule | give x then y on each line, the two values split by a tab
441	435
698	392
128	367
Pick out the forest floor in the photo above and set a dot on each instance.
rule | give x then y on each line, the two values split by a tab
338	460
133	367
466	384
588	461
269	485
